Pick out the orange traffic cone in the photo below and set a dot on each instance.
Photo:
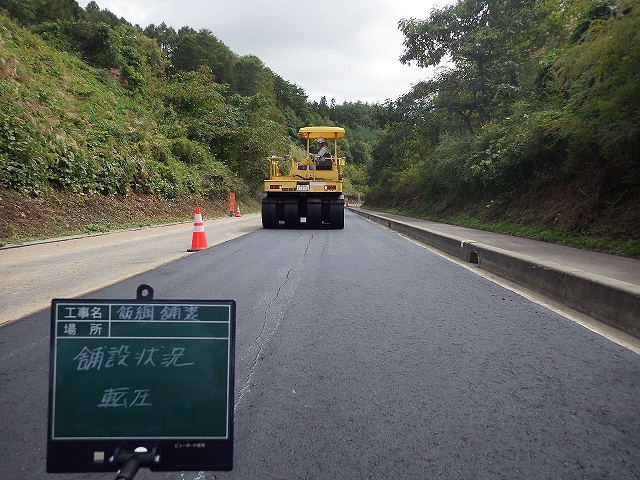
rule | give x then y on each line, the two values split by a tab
238	214
199	239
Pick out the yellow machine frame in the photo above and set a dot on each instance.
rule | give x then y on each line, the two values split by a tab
314	180
312	189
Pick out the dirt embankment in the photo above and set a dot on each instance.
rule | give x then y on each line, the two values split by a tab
59	214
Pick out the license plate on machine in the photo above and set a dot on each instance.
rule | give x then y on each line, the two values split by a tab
303	187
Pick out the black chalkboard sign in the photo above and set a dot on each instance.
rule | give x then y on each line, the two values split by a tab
149	376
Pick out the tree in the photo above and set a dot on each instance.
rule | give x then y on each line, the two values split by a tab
484	41
96	43
291	100
164	35
23	11
235	128
193	50
30	12
323	107
95	15
250	77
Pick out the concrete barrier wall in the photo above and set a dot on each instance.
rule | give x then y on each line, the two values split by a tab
610	301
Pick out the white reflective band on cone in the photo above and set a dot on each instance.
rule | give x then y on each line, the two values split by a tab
198	218
198	228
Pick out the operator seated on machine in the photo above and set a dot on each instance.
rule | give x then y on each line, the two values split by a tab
323	163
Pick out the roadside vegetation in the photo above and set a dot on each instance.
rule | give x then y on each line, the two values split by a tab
531	125
532	122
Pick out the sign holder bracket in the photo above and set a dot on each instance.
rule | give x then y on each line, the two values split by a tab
132	459
144	293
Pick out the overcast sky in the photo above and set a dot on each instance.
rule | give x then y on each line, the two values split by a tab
346	50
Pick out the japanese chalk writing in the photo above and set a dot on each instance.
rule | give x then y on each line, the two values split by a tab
130	312
166	313
144	312
122	398
109	357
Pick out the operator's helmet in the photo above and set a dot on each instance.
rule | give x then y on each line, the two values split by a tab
320	140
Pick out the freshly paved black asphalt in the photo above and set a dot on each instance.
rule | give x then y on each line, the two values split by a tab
363	355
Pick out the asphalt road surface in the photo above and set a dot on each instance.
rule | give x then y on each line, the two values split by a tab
33	274
360	354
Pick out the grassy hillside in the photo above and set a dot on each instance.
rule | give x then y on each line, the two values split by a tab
73	134
67	126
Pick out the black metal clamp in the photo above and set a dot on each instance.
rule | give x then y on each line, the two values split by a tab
132	459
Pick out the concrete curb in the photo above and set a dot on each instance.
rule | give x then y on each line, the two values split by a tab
613	302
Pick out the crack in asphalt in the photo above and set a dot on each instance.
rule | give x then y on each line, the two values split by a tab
273	315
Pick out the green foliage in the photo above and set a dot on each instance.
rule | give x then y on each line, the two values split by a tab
96	43
515	112
80	131
93	14
598	80
598	10
132	57
292	102
252	77
29	12
24	163
236	129
193	50
486	42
